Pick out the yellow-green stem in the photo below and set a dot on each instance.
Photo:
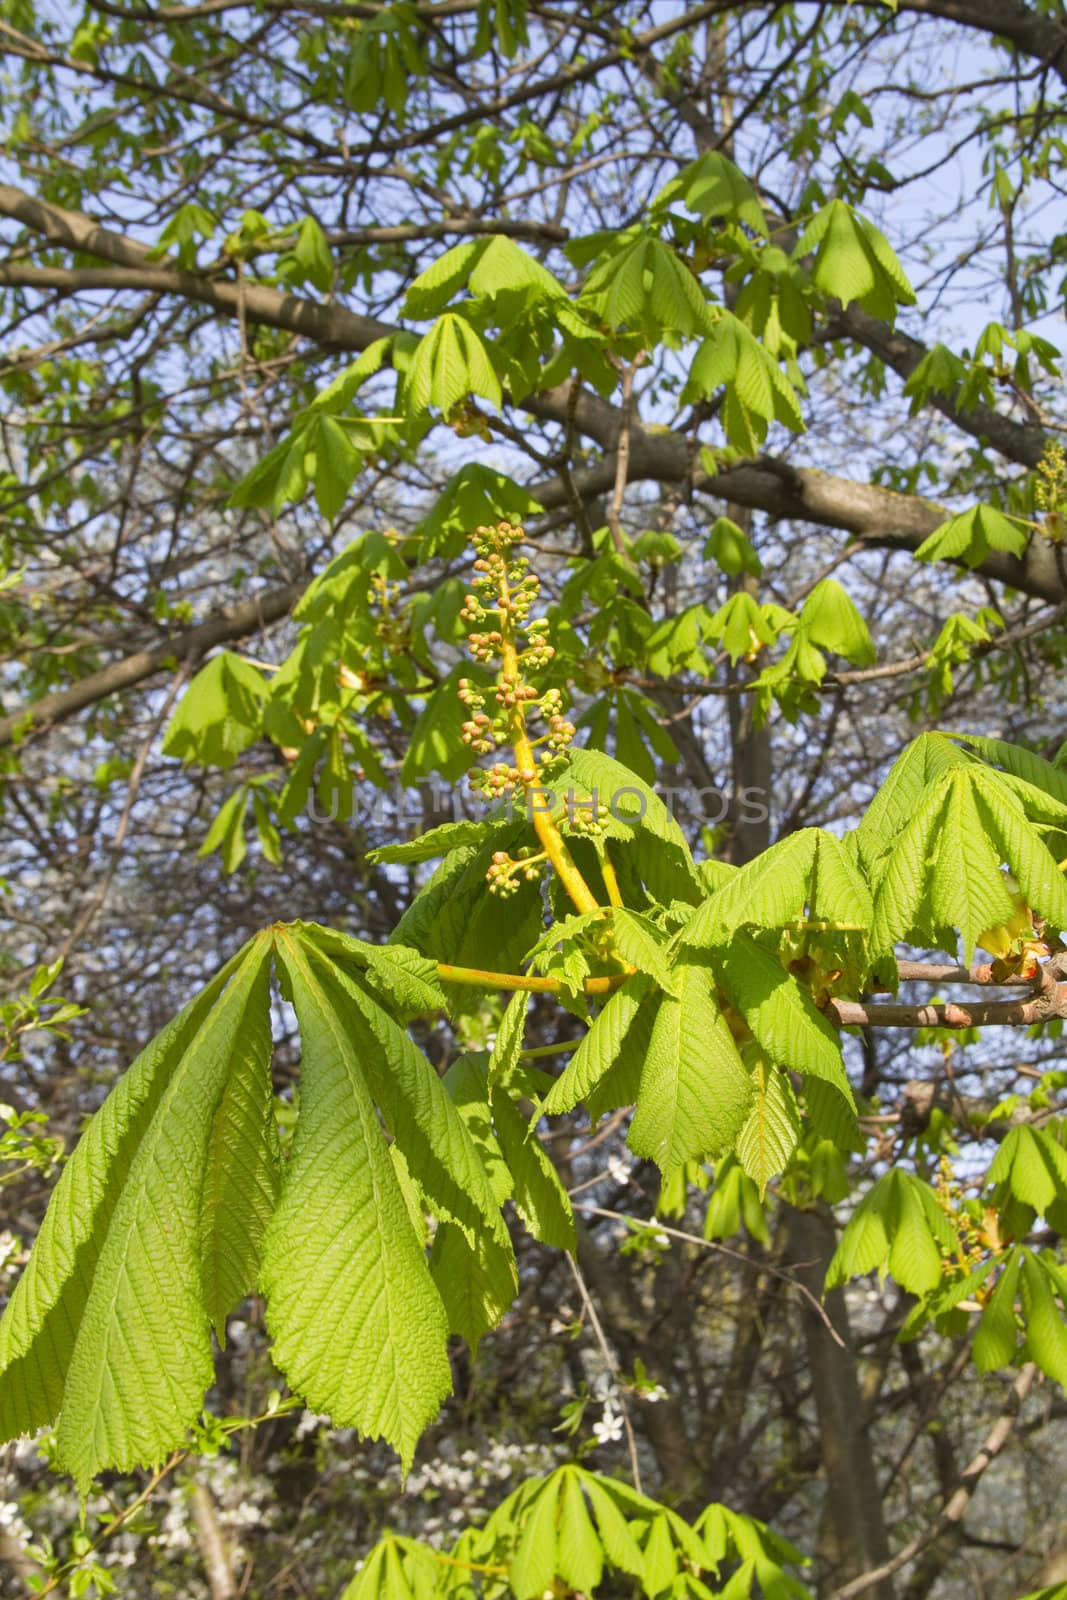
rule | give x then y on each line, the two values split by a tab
552	841
538	1050
477	978
611	882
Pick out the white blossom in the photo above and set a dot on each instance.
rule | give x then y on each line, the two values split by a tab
11	1522
608	1428
9	1249
309	1422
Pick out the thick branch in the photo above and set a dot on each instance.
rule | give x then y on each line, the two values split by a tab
1018	441
160	15
1043	37
232	623
879	516
331	326
979	1014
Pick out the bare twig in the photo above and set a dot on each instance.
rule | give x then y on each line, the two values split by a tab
735	1255
84	921
622	453
612	1366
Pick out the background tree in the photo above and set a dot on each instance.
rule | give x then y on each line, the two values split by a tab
741	304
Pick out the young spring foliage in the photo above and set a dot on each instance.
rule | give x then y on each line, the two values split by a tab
665	337
568	1532
175	1205
710	999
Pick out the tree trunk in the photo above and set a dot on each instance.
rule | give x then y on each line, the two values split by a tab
852	1534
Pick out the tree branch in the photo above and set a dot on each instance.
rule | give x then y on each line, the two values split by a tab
980	1014
232	623
1043	37
331	326
880	517
955	1509
214	1546
1018	441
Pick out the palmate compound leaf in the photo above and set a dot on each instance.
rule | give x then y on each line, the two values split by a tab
903	878
452	919
504	1056
643	287
712	186
159	1222
695	1092
397	1569
403	978
831	619
620	1547
672	1054
567	1531
621	793
734	1202
358	1325
967	889
1032	772
417	1110
640	942
435	743
220	714
1007	820
580	1558
673	1554
997	1336
571	1525
1046	1331
898	1226
808	871
533	1567
943	869
474	495
532	1180
731	1535
109	1323
477	1282
853	261
437	842
969	537
894	805
540	1198
450	362
1032	1167
243	1175
490	265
